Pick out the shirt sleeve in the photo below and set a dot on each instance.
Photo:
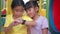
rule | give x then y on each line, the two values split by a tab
45	23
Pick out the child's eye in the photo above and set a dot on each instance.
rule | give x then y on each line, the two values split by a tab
16	10
29	9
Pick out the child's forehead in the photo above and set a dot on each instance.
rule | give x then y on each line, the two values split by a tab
31	8
17	6
31	4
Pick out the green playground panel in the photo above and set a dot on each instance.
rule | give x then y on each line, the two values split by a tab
1	6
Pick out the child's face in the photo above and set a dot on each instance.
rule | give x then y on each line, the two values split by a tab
18	11
31	12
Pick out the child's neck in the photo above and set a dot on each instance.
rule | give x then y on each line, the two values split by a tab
36	17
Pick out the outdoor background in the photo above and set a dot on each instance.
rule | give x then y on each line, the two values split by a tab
47	8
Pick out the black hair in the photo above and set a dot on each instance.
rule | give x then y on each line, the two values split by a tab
17	3
31	4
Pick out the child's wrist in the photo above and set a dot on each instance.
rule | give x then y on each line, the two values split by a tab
12	24
23	21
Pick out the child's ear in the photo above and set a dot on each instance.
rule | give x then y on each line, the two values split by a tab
36	9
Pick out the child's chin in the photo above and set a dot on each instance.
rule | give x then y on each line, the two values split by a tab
31	16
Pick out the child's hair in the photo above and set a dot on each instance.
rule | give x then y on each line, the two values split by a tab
17	3
31	4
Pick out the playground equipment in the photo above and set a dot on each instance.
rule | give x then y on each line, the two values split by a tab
47	8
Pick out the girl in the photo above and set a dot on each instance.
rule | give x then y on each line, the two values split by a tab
41	26
14	22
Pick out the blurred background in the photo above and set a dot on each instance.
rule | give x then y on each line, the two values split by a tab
47	8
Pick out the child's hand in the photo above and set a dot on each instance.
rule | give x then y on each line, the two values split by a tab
17	21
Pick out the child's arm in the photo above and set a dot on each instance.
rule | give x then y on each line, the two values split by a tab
45	31
28	30
30	23
8	29
45	26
